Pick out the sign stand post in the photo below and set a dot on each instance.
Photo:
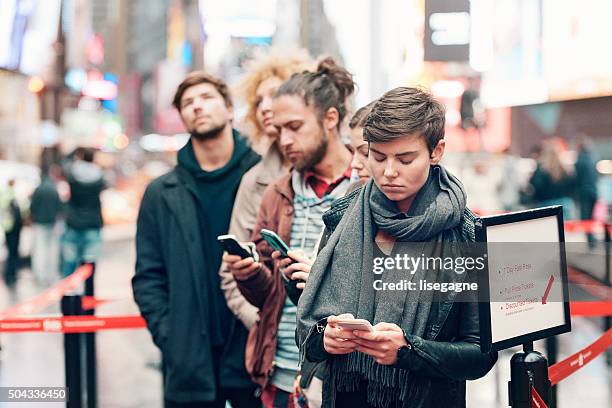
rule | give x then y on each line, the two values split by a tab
528	368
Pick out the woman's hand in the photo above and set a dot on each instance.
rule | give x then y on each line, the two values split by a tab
337	340
296	267
242	269
383	343
297	390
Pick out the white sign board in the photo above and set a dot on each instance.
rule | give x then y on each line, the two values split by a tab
527	277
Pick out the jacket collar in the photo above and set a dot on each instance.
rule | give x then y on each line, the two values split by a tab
179	176
271	163
172	178
284	188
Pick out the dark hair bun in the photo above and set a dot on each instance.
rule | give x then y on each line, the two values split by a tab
339	76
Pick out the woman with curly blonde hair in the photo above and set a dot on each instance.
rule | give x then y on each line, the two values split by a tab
264	76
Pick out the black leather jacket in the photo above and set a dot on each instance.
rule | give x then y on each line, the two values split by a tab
448	354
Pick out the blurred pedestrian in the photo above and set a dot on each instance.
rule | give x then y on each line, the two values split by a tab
177	284
586	180
480	183
82	237
509	184
471	108
308	110
45	206
12	222
257	87
551	183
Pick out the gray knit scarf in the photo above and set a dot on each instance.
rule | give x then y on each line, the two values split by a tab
341	280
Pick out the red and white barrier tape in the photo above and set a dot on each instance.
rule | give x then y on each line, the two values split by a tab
71	324
536	400
573	363
51	295
593	286
591	309
91	302
565	368
587	226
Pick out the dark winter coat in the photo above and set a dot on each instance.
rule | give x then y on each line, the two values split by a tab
45	204
170	291
84	210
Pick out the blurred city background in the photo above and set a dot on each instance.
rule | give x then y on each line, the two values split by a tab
101	74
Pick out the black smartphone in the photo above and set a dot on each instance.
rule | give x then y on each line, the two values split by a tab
275	242
232	246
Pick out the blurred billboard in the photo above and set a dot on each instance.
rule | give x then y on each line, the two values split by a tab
28	28
447	30
536	51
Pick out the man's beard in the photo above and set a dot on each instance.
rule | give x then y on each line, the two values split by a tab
210	134
315	157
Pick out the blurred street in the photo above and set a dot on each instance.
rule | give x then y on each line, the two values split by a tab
128	362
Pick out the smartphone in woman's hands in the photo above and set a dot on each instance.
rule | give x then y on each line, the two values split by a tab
355	324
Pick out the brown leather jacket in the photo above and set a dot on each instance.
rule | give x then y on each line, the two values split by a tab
265	289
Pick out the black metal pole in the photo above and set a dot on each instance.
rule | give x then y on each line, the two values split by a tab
551	353
607	320
607	252
71	306
90	348
527	368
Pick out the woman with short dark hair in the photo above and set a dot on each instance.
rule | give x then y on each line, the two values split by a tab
424	343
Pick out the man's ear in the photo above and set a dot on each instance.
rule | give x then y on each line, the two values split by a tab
331	119
438	152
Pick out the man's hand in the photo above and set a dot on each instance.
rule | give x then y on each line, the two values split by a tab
337	340
296	267
382	343
242	269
